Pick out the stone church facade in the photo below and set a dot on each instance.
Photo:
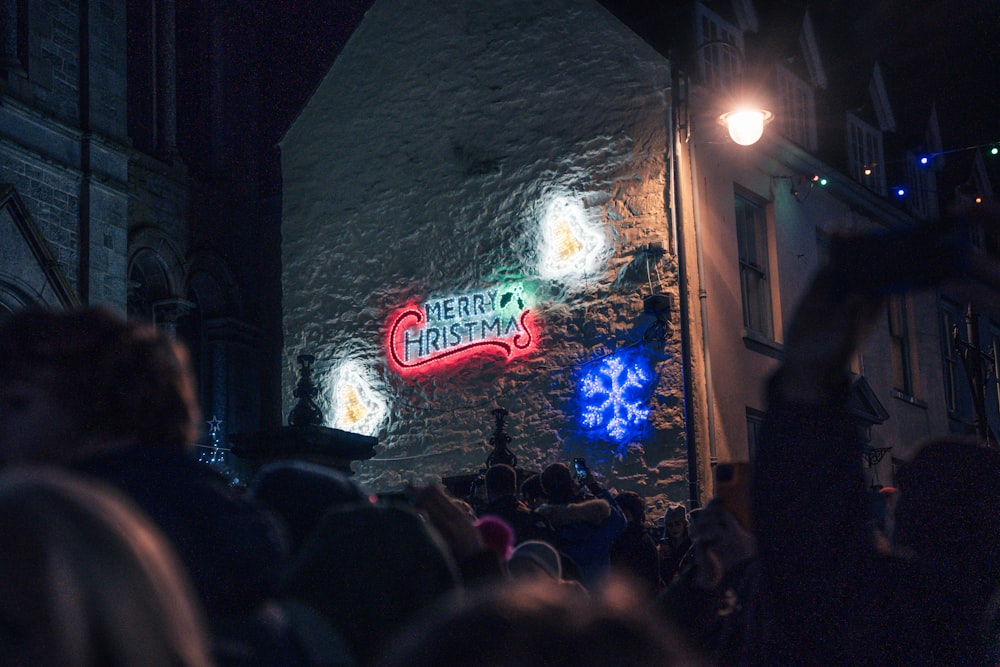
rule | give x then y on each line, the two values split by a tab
105	196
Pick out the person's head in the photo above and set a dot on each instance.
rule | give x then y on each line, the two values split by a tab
88	580
948	505
501	481
496	534
675	523
558	483
534	558
531	491
535	623
632	505
301	493
369	568
77	382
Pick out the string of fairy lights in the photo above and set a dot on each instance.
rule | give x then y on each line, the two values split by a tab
924	160
802	186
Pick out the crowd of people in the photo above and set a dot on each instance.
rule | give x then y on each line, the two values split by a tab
119	548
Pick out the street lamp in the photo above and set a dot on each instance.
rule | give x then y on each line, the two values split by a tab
745	123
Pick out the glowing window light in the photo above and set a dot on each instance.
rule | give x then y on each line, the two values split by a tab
612	394
357	404
570	247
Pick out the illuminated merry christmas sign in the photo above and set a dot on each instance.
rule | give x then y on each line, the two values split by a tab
447	330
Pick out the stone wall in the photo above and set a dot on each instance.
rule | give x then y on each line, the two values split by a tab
70	169
427	166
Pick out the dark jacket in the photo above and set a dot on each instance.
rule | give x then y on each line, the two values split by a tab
527	524
584	532
828	595
231	548
634	553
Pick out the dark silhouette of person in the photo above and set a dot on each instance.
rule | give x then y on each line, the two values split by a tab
114	399
634	553
585	525
829	593
537	623
502	501
675	543
88	580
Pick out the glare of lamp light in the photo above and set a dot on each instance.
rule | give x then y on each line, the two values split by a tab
746	126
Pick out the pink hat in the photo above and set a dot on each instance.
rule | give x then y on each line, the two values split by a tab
496	534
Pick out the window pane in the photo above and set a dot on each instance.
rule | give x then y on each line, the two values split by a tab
755	287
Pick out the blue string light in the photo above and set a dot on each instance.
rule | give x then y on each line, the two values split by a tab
926	158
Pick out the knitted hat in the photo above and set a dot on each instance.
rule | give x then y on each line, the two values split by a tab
541	554
496	534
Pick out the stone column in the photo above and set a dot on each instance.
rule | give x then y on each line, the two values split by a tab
168	312
9	60
166	67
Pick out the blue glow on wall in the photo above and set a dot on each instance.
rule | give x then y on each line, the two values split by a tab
613	397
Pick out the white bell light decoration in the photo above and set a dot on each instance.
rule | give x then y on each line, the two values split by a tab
358	404
570	245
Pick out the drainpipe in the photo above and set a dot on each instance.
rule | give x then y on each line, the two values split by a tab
684	306
713	455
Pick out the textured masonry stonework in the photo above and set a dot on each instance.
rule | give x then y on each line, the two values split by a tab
421	168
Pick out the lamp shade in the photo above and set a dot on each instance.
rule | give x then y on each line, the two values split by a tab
746	126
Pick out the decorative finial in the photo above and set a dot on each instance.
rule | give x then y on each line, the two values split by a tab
500	440
306	412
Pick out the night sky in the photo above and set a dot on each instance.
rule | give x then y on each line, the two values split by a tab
931	52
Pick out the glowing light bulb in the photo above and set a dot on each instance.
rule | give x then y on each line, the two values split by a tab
924	159
746	126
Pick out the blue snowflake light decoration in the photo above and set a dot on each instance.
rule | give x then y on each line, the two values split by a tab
612	394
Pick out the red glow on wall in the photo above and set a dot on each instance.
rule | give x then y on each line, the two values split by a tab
402	324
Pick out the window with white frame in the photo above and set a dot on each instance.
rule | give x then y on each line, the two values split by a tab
797	115
755	285
719	64
922	188
864	154
955	391
900	345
